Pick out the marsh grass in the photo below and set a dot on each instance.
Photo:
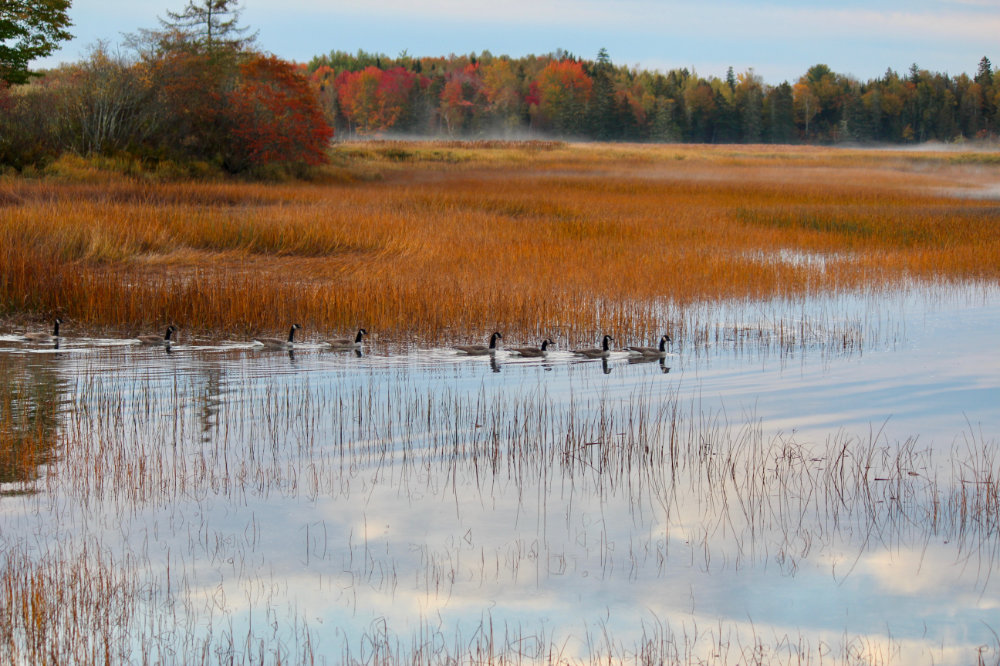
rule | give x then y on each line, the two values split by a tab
140	529
523	237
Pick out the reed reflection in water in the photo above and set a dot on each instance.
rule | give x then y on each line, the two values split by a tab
420	507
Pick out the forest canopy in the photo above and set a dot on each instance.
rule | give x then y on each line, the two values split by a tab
563	95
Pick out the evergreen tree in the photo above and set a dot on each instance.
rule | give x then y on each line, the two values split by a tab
213	24
602	123
726	121
984	79
779	115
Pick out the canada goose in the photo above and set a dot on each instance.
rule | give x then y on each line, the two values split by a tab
652	352
278	343
348	343
42	336
602	352
480	350
533	352
157	340
638	360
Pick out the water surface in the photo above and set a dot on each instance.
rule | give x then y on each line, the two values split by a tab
790	500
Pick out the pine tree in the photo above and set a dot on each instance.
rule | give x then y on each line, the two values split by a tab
213	24
984	78
603	107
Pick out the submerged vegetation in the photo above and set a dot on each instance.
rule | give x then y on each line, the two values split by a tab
218	513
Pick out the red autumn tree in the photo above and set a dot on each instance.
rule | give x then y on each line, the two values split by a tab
374	100
357	92
394	95
564	90
276	117
461	96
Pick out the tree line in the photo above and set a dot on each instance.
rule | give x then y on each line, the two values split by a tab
564	95
197	91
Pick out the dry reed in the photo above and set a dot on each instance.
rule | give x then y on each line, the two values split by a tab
453	238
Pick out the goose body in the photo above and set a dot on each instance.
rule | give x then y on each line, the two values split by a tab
533	352
163	340
481	350
279	343
348	343
659	351
42	336
597	352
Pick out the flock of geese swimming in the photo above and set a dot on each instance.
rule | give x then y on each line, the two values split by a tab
660	351
347	344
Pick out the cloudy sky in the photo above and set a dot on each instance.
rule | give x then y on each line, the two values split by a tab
780	39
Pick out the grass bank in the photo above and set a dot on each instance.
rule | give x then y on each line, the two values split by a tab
430	240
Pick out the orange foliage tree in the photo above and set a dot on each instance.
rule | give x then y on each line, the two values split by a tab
375	100
461	96
323	80
276	117
502	89
564	91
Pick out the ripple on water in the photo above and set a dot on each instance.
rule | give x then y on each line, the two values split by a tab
381	488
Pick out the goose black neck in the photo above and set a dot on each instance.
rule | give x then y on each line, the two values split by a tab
170	330
291	334
55	330
493	340
545	345
358	337
663	343
606	343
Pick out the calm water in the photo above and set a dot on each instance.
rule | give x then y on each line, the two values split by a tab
735	499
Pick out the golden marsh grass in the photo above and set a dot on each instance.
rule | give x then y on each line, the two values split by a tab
218	505
436	240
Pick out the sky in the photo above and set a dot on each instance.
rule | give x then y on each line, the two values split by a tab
780	39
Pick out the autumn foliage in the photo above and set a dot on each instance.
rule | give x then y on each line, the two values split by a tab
276	115
373	99
190	95
564	90
245	111
562	94
174	102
